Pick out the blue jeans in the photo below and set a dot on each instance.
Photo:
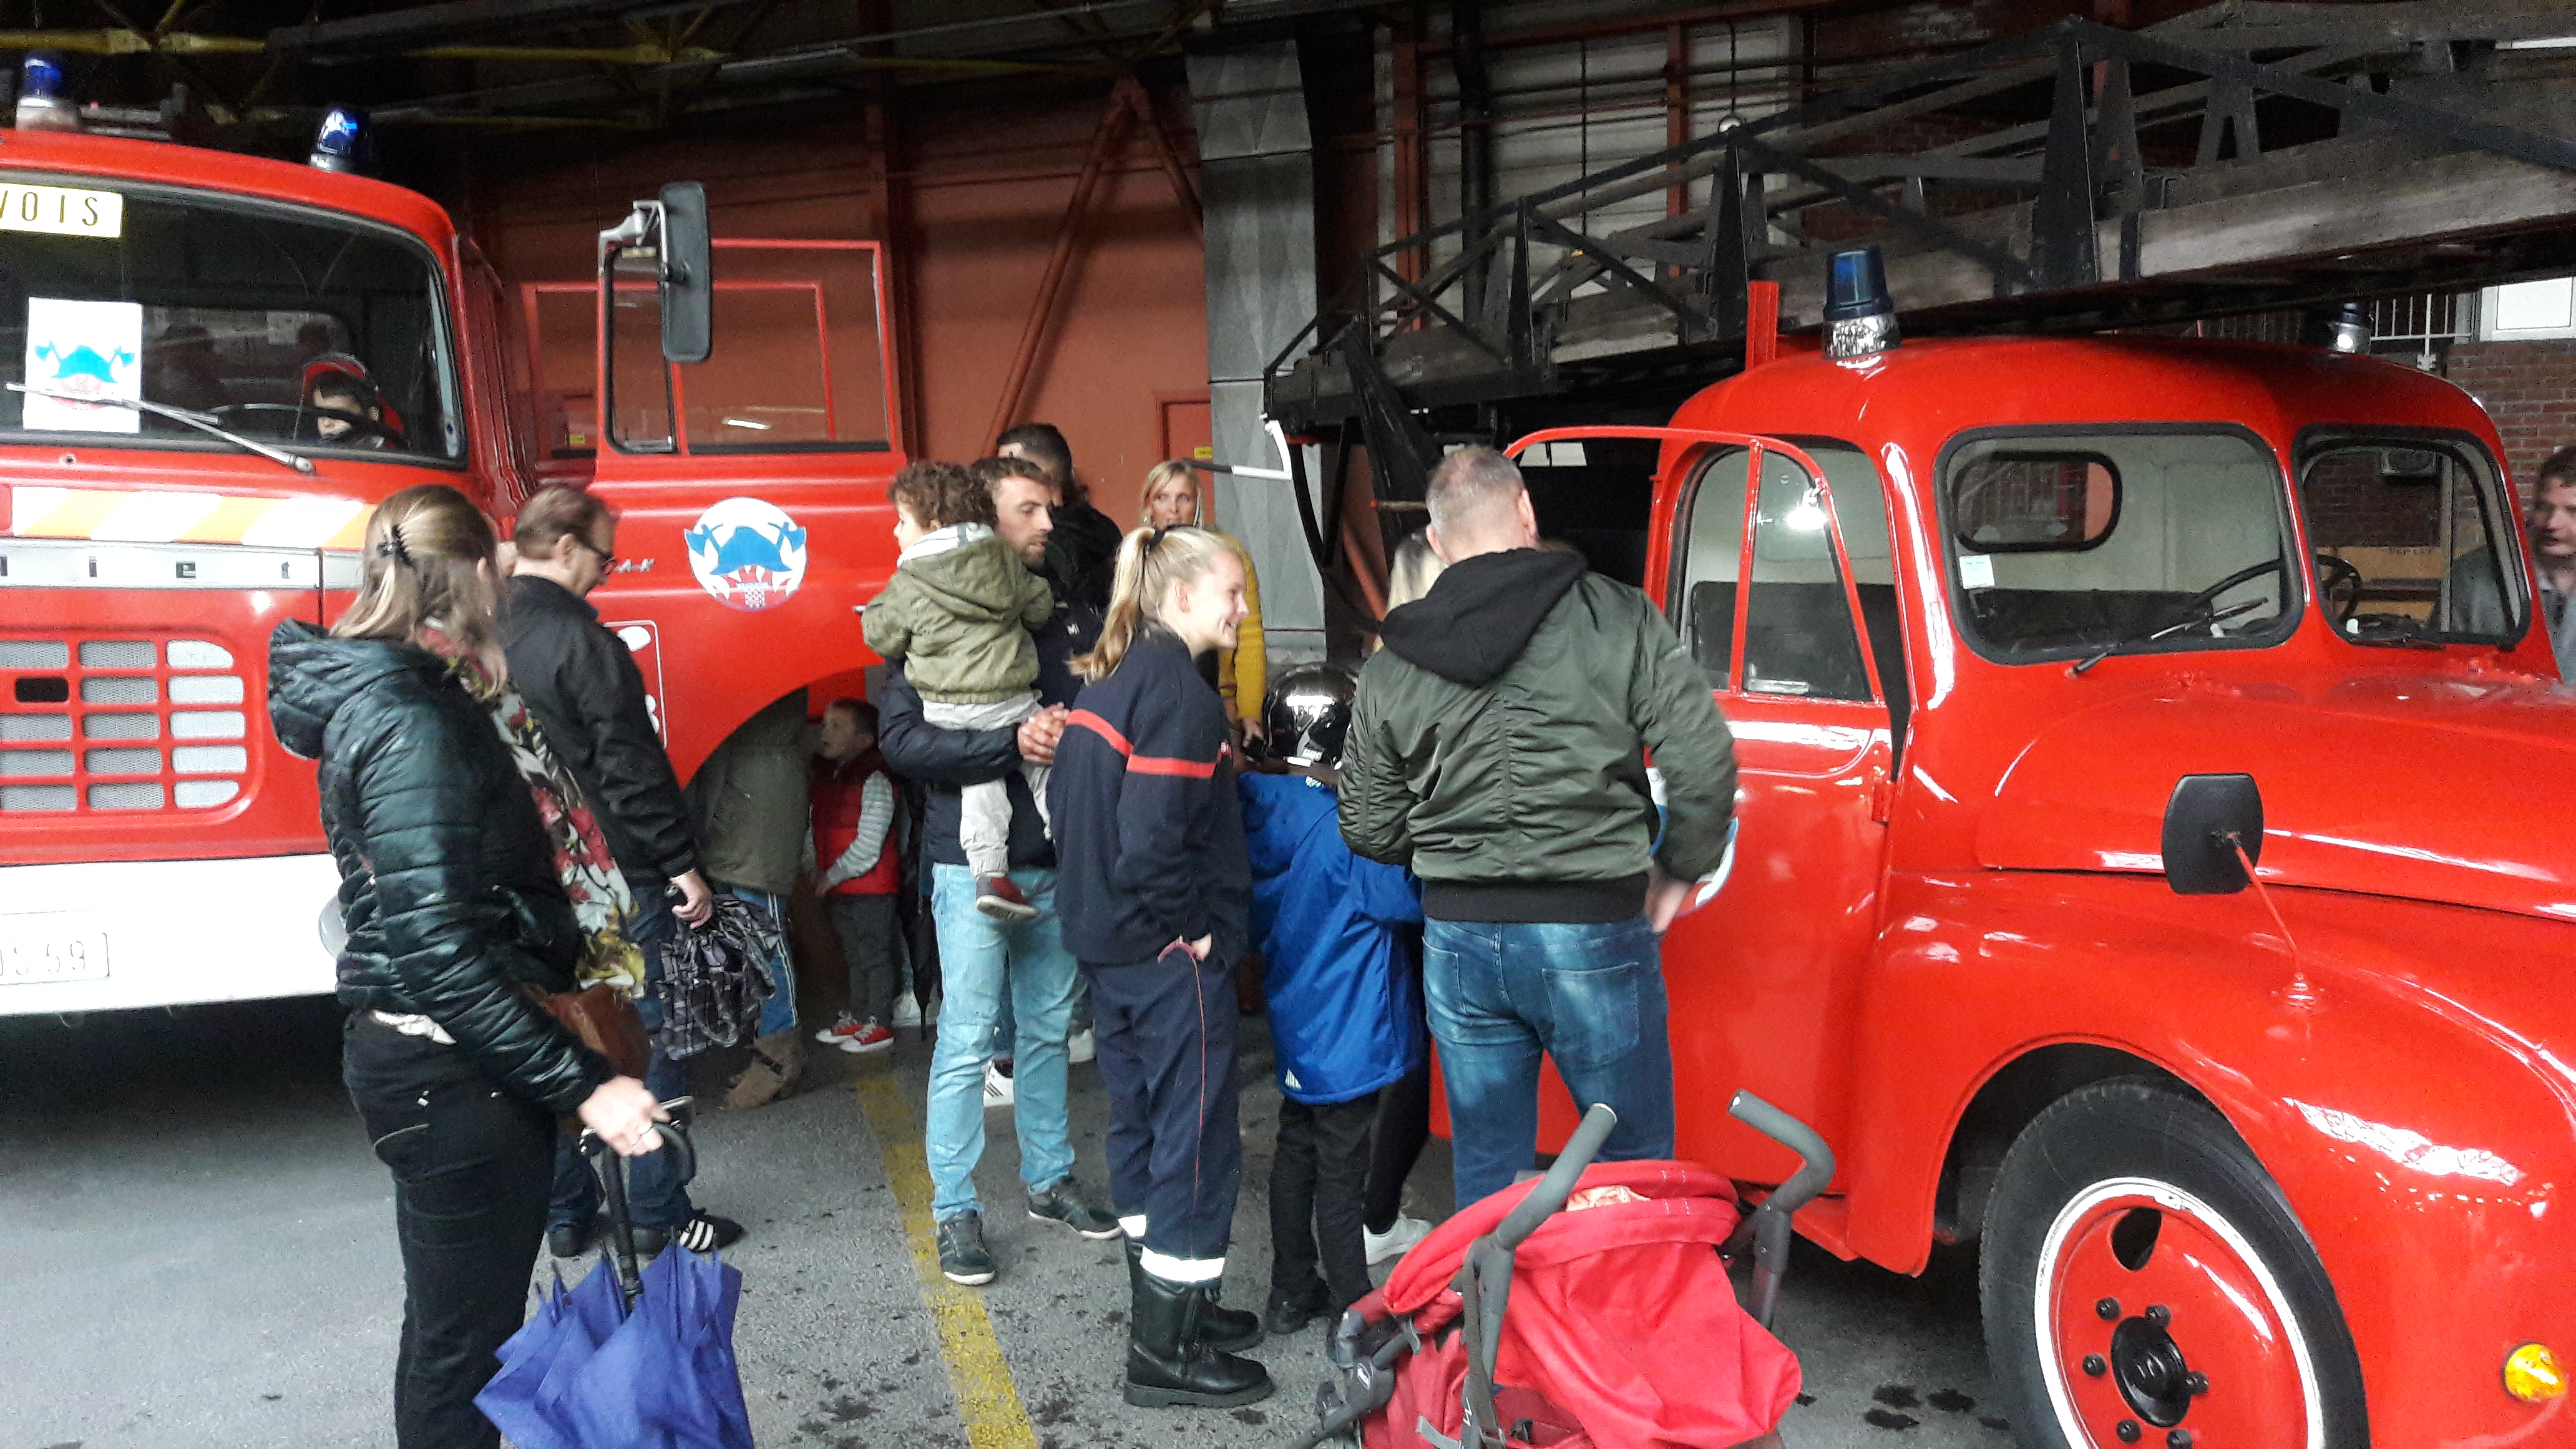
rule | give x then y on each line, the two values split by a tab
1591	997
1079	1022
980	958
653	1200
779	1012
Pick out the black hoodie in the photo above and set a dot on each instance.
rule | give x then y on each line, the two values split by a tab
447	884
1480	615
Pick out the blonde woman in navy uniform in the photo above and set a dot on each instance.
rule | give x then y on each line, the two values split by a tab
1155	895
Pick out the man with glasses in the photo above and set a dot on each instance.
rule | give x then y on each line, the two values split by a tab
581	684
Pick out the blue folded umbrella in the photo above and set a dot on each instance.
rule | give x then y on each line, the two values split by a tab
667	1379
586	1372
509	1400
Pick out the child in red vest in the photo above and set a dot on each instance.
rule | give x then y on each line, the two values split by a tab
855	870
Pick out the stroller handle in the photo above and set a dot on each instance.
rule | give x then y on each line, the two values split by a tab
1815	1159
1770	1222
1552	1190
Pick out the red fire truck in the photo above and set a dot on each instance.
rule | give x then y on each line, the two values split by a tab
2152	867
170	318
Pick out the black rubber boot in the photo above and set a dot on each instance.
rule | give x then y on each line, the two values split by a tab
1227	1330
1169	1365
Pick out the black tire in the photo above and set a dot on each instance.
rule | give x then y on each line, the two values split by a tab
2143	1129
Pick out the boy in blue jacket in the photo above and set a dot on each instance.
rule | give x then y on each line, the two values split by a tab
1343	1016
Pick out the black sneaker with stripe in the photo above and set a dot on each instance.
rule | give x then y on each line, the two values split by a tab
704	1232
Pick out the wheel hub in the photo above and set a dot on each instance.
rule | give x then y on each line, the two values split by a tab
2151	1372
2160	1321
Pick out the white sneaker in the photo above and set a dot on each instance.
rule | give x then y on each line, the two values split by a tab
907	1012
998	1091
1397	1240
1081	1047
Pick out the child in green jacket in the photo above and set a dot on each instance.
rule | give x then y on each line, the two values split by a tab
958	614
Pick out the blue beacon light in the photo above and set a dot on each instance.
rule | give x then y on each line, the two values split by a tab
42	105
1860	316
340	142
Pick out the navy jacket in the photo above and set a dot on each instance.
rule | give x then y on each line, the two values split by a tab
1148	833
942	760
1345	1002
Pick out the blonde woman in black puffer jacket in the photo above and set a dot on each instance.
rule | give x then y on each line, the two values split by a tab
455	907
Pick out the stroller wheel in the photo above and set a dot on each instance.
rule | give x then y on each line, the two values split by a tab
2144	1280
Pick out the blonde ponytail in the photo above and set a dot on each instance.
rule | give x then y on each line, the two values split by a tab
428	561
1150	561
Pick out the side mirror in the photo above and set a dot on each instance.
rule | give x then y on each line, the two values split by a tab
688	280
2205	819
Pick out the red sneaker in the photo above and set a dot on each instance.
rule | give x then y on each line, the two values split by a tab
855	1036
997	897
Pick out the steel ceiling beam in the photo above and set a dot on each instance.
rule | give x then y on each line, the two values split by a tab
458	20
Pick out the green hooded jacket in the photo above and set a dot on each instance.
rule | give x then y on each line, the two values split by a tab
1497	745
959	619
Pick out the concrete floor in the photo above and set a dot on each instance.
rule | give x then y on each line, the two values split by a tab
196	1249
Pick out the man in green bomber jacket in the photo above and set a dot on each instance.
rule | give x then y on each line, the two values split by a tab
1497	747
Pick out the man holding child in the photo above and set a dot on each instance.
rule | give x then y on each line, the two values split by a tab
984	955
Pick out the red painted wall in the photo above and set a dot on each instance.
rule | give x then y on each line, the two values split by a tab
1130	327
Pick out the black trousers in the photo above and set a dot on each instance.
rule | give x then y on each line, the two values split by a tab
865	926
1318	1182
471	1167
1165	1032
1403	1126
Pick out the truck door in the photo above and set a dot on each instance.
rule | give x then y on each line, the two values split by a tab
1804	663
751	486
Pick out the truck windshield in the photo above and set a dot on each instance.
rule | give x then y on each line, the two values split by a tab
2069	543
291	326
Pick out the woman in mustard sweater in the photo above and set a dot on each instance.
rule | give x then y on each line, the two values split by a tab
1172	497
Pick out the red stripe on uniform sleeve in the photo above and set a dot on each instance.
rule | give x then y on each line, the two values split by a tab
1101	727
1160	765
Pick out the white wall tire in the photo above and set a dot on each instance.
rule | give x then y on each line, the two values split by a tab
2145	1282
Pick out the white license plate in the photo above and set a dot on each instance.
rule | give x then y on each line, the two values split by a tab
62	211
33	949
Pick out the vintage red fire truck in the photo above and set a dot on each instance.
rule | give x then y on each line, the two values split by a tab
2276	1167
168	317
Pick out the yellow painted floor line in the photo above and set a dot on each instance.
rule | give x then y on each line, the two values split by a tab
988	1403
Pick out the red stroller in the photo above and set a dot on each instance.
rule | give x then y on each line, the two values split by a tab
1624	1331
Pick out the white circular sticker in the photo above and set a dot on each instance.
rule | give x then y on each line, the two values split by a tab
747	553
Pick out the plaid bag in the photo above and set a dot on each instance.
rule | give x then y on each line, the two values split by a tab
716	978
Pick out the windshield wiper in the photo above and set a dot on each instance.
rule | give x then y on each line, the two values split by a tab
2196	620
199	421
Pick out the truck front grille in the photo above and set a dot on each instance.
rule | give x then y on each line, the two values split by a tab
120	723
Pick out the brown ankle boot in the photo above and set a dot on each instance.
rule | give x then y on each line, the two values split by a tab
777	1060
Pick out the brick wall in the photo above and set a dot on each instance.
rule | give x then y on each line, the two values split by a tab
2529	388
